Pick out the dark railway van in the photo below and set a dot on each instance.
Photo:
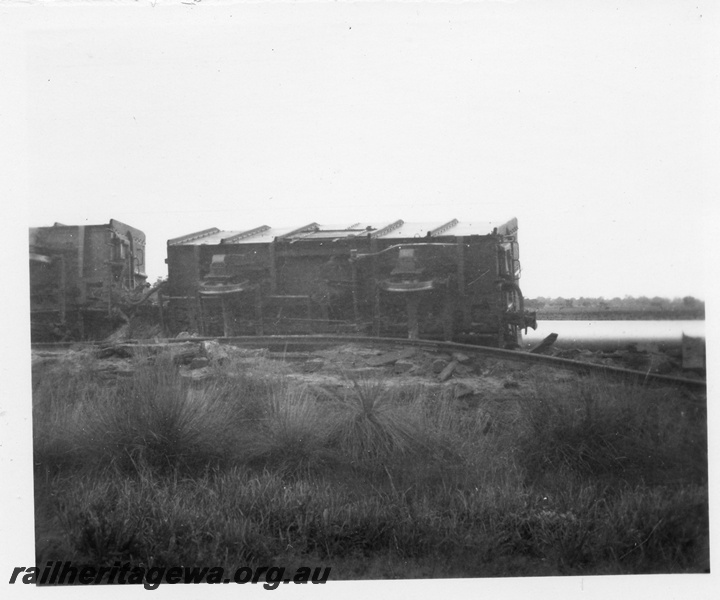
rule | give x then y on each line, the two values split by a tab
82	277
453	281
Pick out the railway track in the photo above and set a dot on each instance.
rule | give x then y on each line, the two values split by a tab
288	343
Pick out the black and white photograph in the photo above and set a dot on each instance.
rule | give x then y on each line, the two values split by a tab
389	298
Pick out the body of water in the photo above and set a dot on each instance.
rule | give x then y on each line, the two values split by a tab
614	334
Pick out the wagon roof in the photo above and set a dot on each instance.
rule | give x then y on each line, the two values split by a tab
399	229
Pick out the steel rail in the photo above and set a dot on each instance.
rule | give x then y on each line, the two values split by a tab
287	341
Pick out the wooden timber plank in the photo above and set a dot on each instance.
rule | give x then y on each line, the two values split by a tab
448	371
390	357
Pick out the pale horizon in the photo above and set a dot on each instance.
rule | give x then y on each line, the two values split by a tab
594	125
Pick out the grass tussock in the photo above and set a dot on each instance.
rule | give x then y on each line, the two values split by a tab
371	424
604	428
378	479
154	419
294	432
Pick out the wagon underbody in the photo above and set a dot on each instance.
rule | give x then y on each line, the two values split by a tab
398	280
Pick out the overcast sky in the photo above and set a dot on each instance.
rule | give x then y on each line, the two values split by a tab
594	123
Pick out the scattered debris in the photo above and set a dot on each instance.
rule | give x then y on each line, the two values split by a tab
460	357
390	357
438	365
545	344
116	350
184	353
402	366
215	351
447	371
472	378
285	355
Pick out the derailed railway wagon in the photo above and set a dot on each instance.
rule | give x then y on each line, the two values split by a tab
453	281
83	278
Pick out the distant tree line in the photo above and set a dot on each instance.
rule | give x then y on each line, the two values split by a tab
686	307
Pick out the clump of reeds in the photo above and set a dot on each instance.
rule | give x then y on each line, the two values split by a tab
369	423
601	427
294	432
155	418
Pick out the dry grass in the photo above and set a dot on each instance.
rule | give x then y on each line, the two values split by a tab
590	477
600	427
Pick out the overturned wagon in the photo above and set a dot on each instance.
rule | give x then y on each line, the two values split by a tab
83	278
453	281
